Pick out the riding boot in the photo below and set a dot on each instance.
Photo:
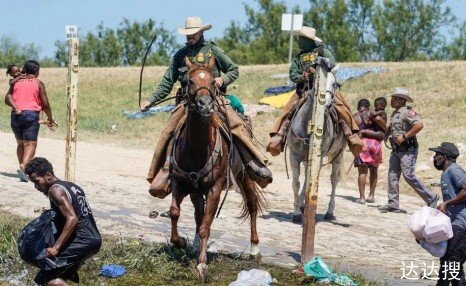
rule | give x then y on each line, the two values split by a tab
355	143
277	141
258	172
160	186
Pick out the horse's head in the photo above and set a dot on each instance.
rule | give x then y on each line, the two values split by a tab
201	87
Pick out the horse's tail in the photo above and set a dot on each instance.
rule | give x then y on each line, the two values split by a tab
253	196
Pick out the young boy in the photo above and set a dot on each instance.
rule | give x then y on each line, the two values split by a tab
15	72
379	116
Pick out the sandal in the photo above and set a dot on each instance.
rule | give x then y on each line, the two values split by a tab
165	214
153	214
370	200
361	201
22	176
387	208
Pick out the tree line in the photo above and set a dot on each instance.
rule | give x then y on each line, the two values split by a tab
356	30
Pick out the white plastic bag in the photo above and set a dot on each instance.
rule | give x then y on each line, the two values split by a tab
417	221
438	228
253	277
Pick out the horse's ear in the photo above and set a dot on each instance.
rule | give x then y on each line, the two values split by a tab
211	63
189	64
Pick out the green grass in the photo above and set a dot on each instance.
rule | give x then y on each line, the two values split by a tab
105	92
146	263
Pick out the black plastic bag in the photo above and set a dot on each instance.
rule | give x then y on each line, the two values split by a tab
36	237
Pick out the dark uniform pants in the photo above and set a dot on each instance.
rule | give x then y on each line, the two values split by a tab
403	163
453	260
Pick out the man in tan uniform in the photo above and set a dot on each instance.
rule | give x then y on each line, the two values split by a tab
225	71
405	123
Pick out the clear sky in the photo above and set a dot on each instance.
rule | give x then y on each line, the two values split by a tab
42	22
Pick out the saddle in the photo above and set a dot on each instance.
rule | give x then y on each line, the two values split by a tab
223	134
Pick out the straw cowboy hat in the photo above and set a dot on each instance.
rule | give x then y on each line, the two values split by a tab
309	33
192	26
401	93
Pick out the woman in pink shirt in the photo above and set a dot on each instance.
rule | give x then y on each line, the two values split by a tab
27	97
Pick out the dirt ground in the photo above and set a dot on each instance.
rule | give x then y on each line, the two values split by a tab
361	240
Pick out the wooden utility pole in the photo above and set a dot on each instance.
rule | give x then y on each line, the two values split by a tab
316	128
72	94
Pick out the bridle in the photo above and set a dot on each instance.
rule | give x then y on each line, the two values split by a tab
192	93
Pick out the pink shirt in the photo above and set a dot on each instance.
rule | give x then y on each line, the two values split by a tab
26	94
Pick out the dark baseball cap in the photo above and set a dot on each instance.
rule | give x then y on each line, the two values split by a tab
448	149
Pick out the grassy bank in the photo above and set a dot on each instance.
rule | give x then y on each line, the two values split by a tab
438	88
105	92
146	263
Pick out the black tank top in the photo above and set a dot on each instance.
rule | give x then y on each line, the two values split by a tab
86	230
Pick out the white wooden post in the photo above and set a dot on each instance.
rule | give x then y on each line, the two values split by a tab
72	94
316	128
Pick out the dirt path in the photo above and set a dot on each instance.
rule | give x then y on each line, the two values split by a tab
360	240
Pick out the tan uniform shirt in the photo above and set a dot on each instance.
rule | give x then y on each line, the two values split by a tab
402	120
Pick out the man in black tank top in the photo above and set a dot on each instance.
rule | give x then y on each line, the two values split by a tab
77	237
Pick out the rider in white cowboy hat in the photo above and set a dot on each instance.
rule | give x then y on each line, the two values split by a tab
193	25
225	71
301	70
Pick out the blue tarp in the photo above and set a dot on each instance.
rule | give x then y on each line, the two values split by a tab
150	112
343	74
279	89
346	73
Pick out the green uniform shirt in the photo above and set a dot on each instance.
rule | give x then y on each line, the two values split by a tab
402	120
305	59
200	53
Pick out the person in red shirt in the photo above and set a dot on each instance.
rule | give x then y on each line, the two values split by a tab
27	97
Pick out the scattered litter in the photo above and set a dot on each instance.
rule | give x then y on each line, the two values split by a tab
280	75
16	279
112	270
254	109
277	101
279	89
253	277
114	127
152	111
165	214
153	214
142	238
321	271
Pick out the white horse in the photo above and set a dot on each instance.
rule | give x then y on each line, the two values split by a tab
333	145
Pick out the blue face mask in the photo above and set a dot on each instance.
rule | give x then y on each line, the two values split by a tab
306	44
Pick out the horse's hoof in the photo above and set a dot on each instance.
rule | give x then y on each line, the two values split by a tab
297	218
181	243
203	271
328	216
256	257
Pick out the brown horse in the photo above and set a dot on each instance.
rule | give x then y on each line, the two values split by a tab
200	164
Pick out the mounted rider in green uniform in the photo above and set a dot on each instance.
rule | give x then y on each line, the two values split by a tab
225	71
